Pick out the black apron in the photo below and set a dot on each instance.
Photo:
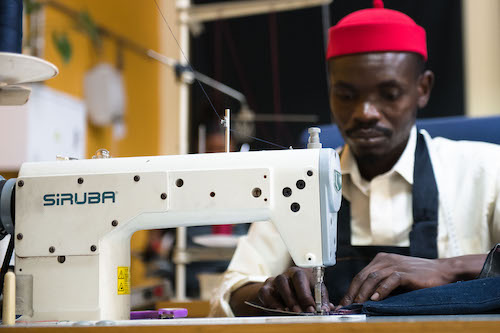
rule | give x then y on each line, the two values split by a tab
423	236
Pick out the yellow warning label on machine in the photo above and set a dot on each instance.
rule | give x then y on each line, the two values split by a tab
123	280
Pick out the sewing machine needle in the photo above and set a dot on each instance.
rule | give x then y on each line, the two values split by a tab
318	276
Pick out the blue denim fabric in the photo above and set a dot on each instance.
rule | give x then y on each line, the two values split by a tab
469	297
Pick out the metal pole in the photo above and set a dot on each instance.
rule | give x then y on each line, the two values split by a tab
227	125
181	234
326	22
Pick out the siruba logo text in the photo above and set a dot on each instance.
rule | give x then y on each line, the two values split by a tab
61	199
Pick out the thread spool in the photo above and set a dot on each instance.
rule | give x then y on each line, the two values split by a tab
9	300
11	25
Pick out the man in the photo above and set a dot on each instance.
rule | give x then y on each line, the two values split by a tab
416	212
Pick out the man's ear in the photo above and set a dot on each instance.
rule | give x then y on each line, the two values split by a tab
425	83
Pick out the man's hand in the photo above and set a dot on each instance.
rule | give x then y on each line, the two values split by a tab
387	272
292	291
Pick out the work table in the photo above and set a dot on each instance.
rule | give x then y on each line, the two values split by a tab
337	324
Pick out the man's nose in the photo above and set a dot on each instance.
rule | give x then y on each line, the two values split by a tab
367	112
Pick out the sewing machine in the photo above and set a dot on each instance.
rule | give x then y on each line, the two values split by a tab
74	218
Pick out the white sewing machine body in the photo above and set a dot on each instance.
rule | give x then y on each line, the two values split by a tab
74	219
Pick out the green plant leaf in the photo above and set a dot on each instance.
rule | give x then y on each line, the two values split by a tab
31	6
87	24
63	45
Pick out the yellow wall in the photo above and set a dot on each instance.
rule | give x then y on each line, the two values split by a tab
482	54
152	92
137	21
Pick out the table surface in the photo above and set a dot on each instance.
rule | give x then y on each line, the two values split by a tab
452	324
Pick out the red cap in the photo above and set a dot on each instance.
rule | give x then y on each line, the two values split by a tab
376	30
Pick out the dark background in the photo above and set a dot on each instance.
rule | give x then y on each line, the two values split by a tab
277	61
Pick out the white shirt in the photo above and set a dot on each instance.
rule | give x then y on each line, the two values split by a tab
468	180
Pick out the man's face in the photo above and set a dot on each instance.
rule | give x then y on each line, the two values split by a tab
374	99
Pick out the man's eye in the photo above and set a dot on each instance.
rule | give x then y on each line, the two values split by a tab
345	95
391	94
